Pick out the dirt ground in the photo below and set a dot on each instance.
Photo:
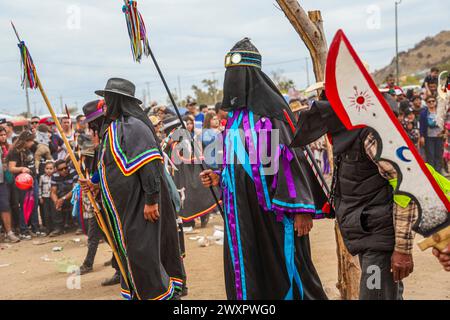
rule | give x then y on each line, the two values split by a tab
34	271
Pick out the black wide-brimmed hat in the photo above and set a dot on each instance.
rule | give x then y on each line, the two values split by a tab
119	86
170	123
93	110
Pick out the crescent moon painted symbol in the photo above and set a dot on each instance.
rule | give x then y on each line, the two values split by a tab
400	154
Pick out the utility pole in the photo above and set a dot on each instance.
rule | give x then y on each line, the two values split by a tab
148	92
214	87
307	71
28	101
179	89
144	94
397	64
61	103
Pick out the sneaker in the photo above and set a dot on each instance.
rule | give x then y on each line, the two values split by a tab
55	233
12	237
24	236
78	232
108	263
115	279
85	269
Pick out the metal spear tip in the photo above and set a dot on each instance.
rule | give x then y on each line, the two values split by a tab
15	31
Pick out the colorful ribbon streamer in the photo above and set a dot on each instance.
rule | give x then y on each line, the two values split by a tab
29	77
136	30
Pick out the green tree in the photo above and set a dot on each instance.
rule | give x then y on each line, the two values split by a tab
208	93
283	84
410	81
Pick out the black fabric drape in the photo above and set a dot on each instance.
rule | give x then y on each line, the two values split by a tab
251	88
118	105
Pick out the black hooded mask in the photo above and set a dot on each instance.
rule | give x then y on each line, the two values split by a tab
120	105
246	86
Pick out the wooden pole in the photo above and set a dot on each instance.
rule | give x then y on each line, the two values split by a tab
309	26
98	215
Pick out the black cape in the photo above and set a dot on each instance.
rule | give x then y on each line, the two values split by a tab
130	168
198	200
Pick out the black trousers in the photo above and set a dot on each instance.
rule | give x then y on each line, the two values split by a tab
377	281
47	209
61	218
94	234
114	264
14	204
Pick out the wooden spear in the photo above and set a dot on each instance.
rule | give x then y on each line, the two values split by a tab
98	215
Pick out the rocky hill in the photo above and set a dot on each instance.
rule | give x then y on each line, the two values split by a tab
432	51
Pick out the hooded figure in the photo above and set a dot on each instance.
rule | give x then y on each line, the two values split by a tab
132	180
197	201
265	201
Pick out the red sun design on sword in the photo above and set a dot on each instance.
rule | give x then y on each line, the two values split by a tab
361	100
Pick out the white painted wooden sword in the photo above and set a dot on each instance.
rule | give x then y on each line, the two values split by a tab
358	103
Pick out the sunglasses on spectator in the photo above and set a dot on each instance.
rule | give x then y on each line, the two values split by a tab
35	122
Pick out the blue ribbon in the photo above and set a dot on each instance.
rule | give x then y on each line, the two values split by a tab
289	253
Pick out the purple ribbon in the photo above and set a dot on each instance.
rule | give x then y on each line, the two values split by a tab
287	156
236	262
276	167
254	161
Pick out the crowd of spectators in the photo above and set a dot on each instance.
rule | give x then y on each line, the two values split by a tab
38	151
47	210
425	118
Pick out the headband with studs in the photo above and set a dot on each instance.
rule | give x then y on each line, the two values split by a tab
243	58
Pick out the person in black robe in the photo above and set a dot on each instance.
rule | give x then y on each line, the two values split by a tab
136	198
197	201
269	206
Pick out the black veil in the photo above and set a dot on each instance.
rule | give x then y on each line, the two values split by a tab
251	88
119	105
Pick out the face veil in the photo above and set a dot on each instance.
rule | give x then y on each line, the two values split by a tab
119	105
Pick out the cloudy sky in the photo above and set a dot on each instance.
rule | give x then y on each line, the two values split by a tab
78	44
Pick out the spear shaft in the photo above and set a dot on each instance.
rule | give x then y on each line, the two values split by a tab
155	62
98	215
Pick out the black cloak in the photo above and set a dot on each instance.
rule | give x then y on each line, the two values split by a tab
131	175
264	259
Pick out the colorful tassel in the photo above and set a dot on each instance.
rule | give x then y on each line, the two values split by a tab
29	77
136	30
